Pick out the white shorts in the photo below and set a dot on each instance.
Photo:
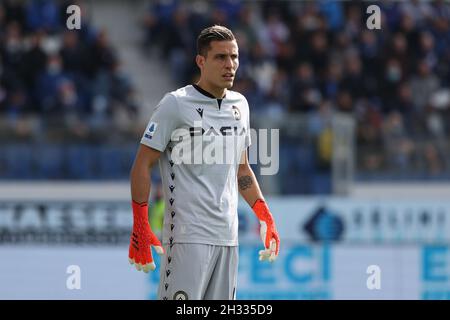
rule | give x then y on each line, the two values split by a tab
192	271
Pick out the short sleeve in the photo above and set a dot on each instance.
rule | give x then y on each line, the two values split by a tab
163	122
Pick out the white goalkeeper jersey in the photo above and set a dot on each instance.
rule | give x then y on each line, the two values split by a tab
202	139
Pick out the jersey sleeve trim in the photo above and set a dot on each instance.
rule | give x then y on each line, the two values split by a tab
153	145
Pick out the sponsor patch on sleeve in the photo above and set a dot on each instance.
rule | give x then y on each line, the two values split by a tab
151	128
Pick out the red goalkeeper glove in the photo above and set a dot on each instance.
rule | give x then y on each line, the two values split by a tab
268	231
142	237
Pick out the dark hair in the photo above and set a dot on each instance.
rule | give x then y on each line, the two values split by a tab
214	33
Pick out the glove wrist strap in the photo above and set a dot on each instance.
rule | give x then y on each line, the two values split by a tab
140	211
262	211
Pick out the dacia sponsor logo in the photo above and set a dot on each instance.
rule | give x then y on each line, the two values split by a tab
222	131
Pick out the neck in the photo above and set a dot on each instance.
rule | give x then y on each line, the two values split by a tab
217	92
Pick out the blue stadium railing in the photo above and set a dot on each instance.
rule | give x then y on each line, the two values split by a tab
23	161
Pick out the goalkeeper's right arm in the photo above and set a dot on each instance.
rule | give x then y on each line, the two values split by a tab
142	237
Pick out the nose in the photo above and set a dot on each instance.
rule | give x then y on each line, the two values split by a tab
228	63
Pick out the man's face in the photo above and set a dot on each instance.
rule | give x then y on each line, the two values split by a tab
220	64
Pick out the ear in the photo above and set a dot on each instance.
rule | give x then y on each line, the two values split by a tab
200	60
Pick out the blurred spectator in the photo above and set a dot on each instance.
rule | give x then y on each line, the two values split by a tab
273	33
344	102
369	49
48	83
398	50
304	93
355	79
403	104
74	54
68	102
16	105
399	146
103	54
12	47
427	51
318	52
433	160
423	84
14	11
33	64
180	45
276	100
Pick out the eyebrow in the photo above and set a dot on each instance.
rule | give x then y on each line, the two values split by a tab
218	55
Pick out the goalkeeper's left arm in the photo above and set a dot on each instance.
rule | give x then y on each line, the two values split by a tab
250	191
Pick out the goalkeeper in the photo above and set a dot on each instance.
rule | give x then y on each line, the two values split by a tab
200	231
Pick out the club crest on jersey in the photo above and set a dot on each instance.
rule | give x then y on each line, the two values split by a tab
180	295
151	130
236	113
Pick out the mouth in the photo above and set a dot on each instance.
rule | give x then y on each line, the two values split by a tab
228	76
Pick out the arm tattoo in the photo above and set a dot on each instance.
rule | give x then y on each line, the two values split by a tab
245	182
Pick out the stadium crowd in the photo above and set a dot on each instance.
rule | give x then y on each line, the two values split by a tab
318	57
303	60
71	79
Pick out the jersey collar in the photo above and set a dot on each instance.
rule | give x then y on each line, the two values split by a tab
206	93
